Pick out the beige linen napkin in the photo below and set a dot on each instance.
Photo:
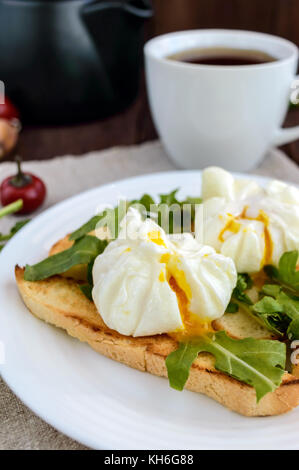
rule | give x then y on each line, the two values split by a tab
66	176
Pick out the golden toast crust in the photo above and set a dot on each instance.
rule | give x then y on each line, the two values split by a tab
60	302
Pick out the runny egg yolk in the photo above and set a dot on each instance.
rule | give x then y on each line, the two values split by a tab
231	226
193	325
155	237
234	226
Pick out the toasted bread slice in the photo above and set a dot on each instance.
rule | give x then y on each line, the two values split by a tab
241	325
295	370
59	301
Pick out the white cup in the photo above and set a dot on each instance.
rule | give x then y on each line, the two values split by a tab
220	115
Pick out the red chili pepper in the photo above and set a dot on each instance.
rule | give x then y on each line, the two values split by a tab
8	109
25	186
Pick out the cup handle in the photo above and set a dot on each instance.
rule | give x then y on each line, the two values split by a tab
284	136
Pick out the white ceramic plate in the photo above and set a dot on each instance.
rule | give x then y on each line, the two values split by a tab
99	402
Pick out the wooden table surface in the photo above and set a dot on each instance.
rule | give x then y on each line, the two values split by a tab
132	126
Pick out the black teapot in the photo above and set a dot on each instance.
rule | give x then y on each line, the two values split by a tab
71	60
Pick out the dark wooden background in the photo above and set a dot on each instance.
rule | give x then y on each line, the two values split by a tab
134	125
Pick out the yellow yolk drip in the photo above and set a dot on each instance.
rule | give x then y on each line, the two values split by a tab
233	226
193	325
155	237
165	258
268	251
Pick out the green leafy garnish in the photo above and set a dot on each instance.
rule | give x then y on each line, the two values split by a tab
179	362
286	273
86	228
239	296
170	198
87	288
244	282
268	305
146	201
11	209
271	314
281	311
13	230
232	308
84	251
259	363
278	306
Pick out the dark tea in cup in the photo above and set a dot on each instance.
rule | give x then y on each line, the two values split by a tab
222	56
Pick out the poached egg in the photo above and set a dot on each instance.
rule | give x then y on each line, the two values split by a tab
148	283
252	225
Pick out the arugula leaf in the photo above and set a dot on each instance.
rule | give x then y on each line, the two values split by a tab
87	227
179	362
271	314
244	282
279	311
268	305
278	308
10	209
86	289
290	306
271	289
259	363
293	329
287	269
146	201
286	273
232	307
14	230
83	251
170	198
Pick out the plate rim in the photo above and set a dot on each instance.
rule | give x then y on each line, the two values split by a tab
6	375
